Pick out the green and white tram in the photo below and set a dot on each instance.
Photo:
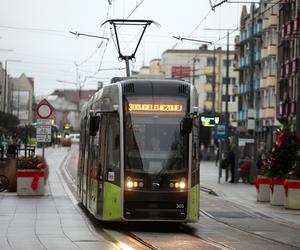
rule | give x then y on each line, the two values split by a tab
138	157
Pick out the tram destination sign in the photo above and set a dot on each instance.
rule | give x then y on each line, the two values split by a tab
161	107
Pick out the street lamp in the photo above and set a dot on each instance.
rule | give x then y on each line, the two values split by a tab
5	85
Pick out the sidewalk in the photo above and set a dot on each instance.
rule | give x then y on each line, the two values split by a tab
243	195
51	221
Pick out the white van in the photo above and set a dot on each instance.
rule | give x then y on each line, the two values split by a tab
74	137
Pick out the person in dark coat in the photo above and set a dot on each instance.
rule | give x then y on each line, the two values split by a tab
231	163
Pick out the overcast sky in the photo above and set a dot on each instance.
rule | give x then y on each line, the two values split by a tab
37	32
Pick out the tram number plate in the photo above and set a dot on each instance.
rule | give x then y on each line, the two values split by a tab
180	205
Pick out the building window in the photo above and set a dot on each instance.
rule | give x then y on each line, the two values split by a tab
210	61
224	98
232	80
225	63
209	78
209	96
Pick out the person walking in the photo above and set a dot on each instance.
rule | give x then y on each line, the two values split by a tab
231	163
1	147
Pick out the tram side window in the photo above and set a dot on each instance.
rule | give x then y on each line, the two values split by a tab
113	151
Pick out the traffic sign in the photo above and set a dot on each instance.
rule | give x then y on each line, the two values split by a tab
220	131
43	129
43	138
44	109
44	121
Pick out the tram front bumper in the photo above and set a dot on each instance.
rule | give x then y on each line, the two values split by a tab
155	205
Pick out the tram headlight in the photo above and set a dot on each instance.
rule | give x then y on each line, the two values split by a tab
182	183
129	182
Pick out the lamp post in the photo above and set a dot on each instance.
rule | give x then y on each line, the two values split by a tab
227	122
5	85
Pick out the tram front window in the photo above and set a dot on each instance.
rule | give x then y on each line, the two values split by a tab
153	143
153	148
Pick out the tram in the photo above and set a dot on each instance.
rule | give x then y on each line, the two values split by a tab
138	153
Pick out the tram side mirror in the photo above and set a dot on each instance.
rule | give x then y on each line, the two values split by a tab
186	125
94	124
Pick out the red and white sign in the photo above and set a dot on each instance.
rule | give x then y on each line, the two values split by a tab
44	109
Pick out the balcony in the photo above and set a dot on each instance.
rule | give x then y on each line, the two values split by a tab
241	115
296	26
269	81
272	50
267	112
257	114
293	105
264	52
273	19
237	40
289	28
287	108
257	84
270	112
282	71
257	56
258	28
265	23
283	31
243	88
295	65
288	67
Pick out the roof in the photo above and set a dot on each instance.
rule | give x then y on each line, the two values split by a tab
72	95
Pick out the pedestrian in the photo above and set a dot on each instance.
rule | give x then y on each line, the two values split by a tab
12	149
231	163
217	151
1	147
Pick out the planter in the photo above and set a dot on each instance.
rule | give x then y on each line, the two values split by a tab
292	192
30	182
262	184
277	194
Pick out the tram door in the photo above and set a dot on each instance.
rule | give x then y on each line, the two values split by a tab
101	162
109	158
81	159
84	168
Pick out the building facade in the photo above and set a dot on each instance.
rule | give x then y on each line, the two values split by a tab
20	98
256	49
67	104
206	69
2	74
288	62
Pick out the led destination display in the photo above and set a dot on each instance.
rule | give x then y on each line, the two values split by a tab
143	107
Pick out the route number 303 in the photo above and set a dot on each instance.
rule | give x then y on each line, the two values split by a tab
180	205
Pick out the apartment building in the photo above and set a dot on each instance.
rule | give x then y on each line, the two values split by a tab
199	67
288	60
257	56
1	86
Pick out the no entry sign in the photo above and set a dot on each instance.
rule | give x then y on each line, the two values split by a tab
44	109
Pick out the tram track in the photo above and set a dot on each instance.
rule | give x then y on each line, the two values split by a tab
259	215
284	244
200	241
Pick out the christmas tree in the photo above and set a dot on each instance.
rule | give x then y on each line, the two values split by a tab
285	153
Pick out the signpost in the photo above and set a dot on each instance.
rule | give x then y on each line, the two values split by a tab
44	110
